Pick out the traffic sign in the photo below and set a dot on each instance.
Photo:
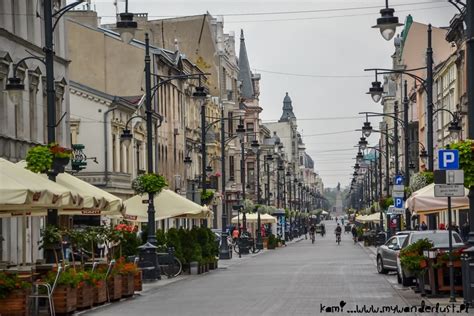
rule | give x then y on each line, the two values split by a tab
398	211
448	159
398	180
449	176
398	188
399	194
398	203
449	190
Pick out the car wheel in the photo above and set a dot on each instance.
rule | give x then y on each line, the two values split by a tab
405	281
380	268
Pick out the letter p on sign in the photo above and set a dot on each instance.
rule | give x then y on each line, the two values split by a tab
448	159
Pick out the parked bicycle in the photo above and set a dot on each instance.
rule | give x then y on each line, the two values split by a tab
169	264
245	242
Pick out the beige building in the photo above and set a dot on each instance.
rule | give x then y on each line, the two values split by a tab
115	68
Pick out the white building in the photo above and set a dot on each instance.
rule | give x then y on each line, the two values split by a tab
23	124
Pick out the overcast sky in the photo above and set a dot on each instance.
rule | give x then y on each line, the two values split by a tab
325	52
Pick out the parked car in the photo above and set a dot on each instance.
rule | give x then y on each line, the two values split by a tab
440	240
388	252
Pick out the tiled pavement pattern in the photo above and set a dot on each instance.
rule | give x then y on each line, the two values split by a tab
294	280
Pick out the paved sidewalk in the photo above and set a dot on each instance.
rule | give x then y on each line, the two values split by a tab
431	301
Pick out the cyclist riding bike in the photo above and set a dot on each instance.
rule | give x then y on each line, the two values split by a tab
338	232
312	230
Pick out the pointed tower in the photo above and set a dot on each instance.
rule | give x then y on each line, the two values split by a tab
287	114
245	76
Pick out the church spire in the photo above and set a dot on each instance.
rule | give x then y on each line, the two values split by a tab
287	114
245	76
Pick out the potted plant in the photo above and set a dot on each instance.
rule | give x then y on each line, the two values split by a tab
127	270
51	241
207	196
13	292
65	293
61	156
149	183
413	260
85	290
41	159
99	288
114	283
272	241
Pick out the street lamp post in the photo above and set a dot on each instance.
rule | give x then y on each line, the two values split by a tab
256	149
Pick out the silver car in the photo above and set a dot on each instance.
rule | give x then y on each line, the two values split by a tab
387	254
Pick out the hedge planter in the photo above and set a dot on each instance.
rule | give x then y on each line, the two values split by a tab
65	299
137	281
127	285
100	293
85	296
213	265
194	268
115	287
14	304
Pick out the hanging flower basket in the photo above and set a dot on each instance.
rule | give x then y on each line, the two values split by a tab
41	159
149	183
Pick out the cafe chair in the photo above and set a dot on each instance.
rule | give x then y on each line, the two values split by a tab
109	270
49	292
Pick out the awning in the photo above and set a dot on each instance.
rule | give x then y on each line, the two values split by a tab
252	218
23	190
168	204
95	201
424	200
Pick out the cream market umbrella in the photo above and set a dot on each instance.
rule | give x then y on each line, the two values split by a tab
253	217
23	190
95	201
168	204
424	200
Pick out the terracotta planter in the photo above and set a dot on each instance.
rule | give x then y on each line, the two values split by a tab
114	284
100	293
65	299
127	285
14	304
137	281
85	296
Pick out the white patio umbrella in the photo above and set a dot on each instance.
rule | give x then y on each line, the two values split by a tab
25	191
168	204
95	201
424	200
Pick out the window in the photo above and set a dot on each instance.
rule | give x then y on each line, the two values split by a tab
32	112
114	153
231	124
251	173
231	167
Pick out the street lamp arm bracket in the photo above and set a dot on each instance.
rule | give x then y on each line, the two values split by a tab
15	67
382	71
58	14
62	117
375	114
455	117
458	3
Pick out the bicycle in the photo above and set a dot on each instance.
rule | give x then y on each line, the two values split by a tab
169	264
250	245
338	239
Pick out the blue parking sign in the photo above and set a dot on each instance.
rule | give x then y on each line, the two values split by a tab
398	202
448	159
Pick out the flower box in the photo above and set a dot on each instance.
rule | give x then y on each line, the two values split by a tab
65	299
14	304
85	296
114	284
100	293
137	281
127	285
